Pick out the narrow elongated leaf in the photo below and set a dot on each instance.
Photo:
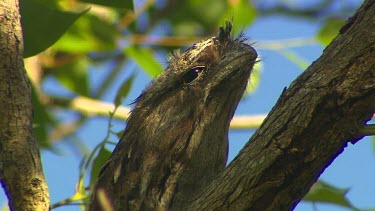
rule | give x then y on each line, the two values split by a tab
124	89
254	80
295	58
98	163
43	26
124	4
326	193
329	30
88	34
144	59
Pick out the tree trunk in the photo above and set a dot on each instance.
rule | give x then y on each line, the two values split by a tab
311	124
21	172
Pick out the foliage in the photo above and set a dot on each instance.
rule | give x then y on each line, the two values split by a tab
323	192
73	39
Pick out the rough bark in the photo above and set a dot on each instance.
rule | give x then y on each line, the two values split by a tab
21	172
311	124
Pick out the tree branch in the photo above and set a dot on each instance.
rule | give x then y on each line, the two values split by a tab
21	172
311	124
92	107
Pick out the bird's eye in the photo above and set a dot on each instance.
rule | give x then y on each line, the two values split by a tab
192	74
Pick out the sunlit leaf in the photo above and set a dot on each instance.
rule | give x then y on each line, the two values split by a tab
295	58
42	26
254	80
98	163
87	34
78	196
4	207
326	193
144	58
81	192
242	12
124	4
329	30
124	89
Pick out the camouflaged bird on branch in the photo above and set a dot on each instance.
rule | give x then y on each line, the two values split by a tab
176	140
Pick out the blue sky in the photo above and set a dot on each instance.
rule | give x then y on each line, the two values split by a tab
352	169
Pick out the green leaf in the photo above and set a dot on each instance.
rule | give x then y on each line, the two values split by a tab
124	89
74	75
293	57
368	130
201	18
145	59
42	119
120	134
253	82
43	26
242	12
98	163
329	30
326	193
123	4
186	28
4	207
87	34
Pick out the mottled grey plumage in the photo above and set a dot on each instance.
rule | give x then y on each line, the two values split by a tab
176	139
